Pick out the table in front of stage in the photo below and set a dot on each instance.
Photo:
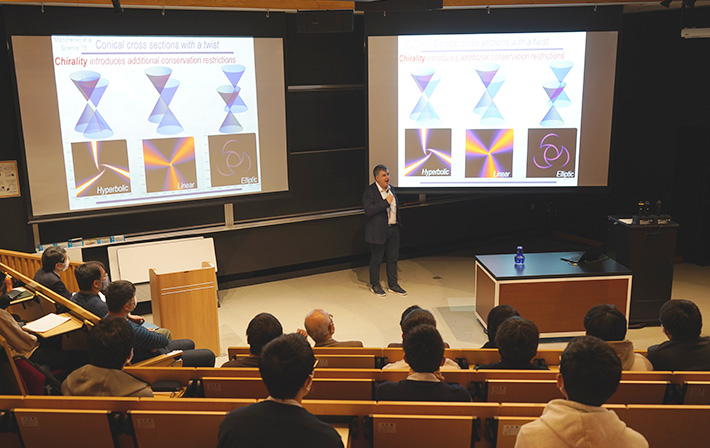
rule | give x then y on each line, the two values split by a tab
553	293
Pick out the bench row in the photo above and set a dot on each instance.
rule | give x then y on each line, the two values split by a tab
139	422
484	385
377	357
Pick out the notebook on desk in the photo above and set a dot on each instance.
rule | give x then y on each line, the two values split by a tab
593	253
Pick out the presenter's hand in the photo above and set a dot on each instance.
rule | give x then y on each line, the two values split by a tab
389	198
136	319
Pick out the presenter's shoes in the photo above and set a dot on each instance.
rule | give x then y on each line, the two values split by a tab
398	290
377	290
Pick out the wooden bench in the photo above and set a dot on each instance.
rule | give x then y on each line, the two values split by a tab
406	431
323	388
670	425
175	429
41	428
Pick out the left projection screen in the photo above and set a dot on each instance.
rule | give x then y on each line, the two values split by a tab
120	121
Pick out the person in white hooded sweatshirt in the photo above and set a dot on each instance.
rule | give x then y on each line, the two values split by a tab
590	371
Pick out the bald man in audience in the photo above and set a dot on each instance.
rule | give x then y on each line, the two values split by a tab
320	327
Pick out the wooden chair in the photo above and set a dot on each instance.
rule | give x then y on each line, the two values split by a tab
519	391
678	426
9	437
10	379
696	392
406	431
40	428
175	429
502	431
640	392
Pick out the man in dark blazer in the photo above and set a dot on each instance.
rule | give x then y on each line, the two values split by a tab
382	230
54	261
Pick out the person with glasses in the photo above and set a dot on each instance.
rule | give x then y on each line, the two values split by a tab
92	279
286	366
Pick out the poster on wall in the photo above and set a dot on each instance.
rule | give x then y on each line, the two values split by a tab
9	185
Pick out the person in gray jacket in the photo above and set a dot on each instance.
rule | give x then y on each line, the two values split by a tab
110	345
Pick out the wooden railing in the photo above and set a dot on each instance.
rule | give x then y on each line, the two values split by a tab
29	264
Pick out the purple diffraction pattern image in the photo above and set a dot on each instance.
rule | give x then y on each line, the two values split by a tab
233	102
92	86
426	80
555	91
161	114
551	154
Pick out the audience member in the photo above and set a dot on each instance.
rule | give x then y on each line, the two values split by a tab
121	300
517	341
686	349
262	329
415	318
589	374
54	262
405	313
320	327
608	324
424	352
110	344
92	279
496	316
286	368
22	343
19	341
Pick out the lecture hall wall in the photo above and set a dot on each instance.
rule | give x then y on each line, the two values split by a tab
660	141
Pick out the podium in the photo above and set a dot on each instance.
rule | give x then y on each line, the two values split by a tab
186	303
648	250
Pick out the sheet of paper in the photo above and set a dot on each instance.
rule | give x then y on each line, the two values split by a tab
46	323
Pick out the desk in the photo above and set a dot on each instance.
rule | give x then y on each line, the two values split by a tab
554	294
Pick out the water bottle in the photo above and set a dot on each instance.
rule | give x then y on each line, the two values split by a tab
519	257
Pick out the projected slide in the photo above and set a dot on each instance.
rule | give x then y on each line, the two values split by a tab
489	109
144	119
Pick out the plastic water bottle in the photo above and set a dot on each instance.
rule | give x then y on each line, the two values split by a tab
519	257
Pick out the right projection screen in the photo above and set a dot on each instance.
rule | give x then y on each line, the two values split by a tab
492	110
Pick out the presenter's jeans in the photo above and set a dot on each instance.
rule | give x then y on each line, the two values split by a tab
390	253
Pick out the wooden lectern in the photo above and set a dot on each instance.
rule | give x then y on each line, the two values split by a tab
186	303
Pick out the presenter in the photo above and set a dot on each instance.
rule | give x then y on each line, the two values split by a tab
382	230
